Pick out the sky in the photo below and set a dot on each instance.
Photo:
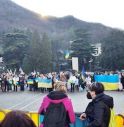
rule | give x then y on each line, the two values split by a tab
107	12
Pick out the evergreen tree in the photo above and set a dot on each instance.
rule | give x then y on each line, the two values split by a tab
15	45
46	54
39	54
82	48
112	57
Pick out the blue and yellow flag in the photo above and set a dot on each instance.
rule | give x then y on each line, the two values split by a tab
44	83
110	82
67	54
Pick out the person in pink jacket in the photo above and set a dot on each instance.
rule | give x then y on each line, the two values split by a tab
59	96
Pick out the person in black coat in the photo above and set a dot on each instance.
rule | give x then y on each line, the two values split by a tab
98	110
122	79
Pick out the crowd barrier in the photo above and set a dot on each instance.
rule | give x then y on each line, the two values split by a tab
39	118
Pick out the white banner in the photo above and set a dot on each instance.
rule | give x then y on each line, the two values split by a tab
75	63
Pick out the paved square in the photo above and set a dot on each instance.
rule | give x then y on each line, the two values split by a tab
30	101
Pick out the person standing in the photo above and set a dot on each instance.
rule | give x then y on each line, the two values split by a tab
88	80
122	80
57	108
15	82
98	110
81	82
72	81
22	82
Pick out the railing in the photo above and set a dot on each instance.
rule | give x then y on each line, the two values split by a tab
79	123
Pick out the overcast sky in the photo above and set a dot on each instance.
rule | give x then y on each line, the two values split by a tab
107	12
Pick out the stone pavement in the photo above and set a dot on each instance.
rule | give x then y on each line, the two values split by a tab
30	101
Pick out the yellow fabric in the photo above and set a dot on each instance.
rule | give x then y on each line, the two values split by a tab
35	117
110	86
30	82
115	120
119	121
112	122
44	85
2	114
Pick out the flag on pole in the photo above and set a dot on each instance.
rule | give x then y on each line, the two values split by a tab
67	54
35	72
21	71
83	70
14	71
10	72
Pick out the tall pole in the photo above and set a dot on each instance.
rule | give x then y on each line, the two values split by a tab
90	66
91	60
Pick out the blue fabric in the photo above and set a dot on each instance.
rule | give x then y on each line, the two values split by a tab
78	123
107	78
45	80
30	80
40	80
83	70
41	118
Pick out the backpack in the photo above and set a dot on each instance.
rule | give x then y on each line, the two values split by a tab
55	115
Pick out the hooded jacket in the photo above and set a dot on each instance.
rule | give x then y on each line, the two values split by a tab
98	111
57	97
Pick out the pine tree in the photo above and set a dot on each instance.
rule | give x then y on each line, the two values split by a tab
112	57
39	54
15	45
82	48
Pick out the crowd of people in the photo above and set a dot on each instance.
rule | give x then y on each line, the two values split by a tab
74	81
14	82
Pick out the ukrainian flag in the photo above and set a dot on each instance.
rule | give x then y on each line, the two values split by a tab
67	54
30	81
110	82
44	83
37	119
